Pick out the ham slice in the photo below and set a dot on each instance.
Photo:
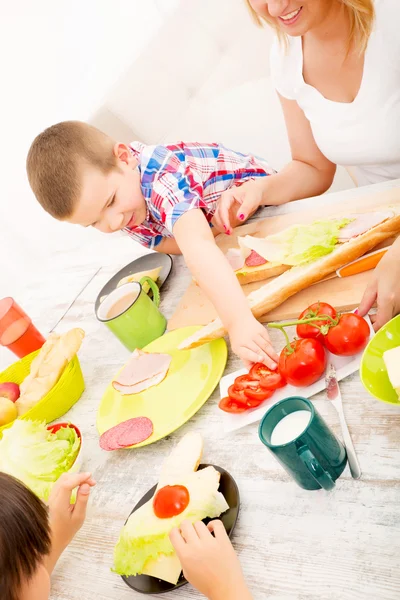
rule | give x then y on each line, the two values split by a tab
142	371
362	223
235	258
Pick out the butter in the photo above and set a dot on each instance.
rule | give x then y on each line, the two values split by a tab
392	362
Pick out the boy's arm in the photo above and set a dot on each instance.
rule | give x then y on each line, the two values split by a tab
214	275
170	246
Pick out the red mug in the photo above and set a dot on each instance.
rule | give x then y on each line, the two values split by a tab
17	332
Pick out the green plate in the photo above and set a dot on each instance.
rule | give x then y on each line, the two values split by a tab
373	372
192	377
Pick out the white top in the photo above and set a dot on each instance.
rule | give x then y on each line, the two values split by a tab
363	134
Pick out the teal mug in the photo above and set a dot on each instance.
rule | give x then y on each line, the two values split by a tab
132	316
301	441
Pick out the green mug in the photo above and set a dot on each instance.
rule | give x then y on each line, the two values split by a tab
301	441
131	315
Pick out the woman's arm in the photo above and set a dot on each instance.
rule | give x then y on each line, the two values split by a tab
308	174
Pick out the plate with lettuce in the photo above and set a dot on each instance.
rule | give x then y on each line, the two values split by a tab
37	454
143	555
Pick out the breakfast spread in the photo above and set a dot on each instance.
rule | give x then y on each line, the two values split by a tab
183	493
143	370
312	252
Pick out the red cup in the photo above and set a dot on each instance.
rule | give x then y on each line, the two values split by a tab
17	332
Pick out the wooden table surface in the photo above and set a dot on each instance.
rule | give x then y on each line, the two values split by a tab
293	544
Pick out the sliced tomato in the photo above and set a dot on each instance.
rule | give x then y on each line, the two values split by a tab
245	381
269	380
256	396
237	395
230	406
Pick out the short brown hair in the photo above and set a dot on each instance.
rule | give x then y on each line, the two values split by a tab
55	160
24	535
361	15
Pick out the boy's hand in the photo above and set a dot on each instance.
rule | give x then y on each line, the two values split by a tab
209	562
65	518
250	341
237	204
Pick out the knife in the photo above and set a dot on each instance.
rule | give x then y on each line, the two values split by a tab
360	265
335	397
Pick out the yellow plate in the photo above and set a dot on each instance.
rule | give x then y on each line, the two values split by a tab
192	377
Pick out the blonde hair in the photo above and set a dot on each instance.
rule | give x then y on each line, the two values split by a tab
56	159
361	14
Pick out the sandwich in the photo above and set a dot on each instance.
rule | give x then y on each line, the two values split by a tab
311	253
144	547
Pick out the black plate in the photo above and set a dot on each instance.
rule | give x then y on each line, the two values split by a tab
150	585
144	263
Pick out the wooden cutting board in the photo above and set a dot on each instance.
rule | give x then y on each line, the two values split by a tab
344	294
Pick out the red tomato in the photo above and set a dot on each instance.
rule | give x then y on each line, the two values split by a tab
305	364
245	381
237	395
230	406
310	330
256	397
269	380
349	337
170	501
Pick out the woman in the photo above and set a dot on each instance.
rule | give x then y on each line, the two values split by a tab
336	67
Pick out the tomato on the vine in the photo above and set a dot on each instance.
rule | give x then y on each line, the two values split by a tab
303	362
310	330
349	336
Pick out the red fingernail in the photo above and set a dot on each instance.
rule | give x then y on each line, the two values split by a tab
241	217
225	229
356	311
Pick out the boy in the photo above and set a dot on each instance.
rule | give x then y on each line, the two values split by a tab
164	197
32	539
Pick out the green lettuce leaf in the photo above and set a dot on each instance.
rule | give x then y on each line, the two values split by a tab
299	244
37	457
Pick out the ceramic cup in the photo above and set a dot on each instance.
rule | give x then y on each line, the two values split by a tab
303	443
140	322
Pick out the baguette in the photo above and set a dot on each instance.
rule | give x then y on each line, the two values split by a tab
275	292
47	367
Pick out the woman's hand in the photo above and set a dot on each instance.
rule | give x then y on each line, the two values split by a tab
237	204
250	341
209	561
384	288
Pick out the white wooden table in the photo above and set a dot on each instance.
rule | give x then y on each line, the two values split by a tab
293	544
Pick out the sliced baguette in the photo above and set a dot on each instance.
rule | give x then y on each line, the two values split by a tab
275	292
252	274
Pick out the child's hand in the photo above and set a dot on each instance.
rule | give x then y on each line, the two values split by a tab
236	205
65	518
209	562
250	341
384	288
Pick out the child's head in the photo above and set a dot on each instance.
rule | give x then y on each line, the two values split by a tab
24	542
80	175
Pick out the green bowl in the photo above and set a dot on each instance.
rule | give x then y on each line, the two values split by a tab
373	372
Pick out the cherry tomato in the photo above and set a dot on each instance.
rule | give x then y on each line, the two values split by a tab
245	381
349	337
304	364
309	330
170	501
230	406
269	380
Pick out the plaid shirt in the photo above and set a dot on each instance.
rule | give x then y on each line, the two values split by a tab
183	176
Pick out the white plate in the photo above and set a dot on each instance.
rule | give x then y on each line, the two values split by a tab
344	365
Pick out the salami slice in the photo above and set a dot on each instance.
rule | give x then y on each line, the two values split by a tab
128	433
254	259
